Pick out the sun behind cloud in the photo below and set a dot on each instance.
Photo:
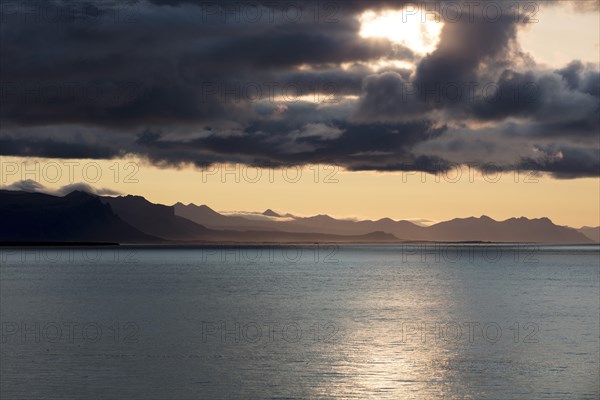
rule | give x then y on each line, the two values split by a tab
418	32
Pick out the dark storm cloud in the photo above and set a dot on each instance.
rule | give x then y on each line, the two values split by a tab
390	96
203	82
565	161
273	143
330	81
563	102
450	75
571	74
472	76
31	146
274	52
463	47
144	64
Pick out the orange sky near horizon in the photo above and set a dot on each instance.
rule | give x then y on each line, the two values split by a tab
322	189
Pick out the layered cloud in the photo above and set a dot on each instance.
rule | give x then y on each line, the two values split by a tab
290	83
31	186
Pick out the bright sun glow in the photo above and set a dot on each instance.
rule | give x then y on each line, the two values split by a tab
413	30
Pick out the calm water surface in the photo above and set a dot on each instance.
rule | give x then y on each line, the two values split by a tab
381	322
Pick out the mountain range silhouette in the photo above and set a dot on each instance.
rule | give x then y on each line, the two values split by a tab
84	217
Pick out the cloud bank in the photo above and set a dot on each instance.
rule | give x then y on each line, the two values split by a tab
278	84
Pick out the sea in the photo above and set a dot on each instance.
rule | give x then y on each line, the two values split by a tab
318	321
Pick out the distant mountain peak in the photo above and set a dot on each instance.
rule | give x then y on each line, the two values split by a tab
191	208
323	216
270	213
192	205
139	200
205	207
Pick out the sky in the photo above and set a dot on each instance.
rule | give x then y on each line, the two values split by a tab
429	110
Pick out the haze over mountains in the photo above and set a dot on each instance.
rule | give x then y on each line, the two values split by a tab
80	216
592	233
162	221
484	228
